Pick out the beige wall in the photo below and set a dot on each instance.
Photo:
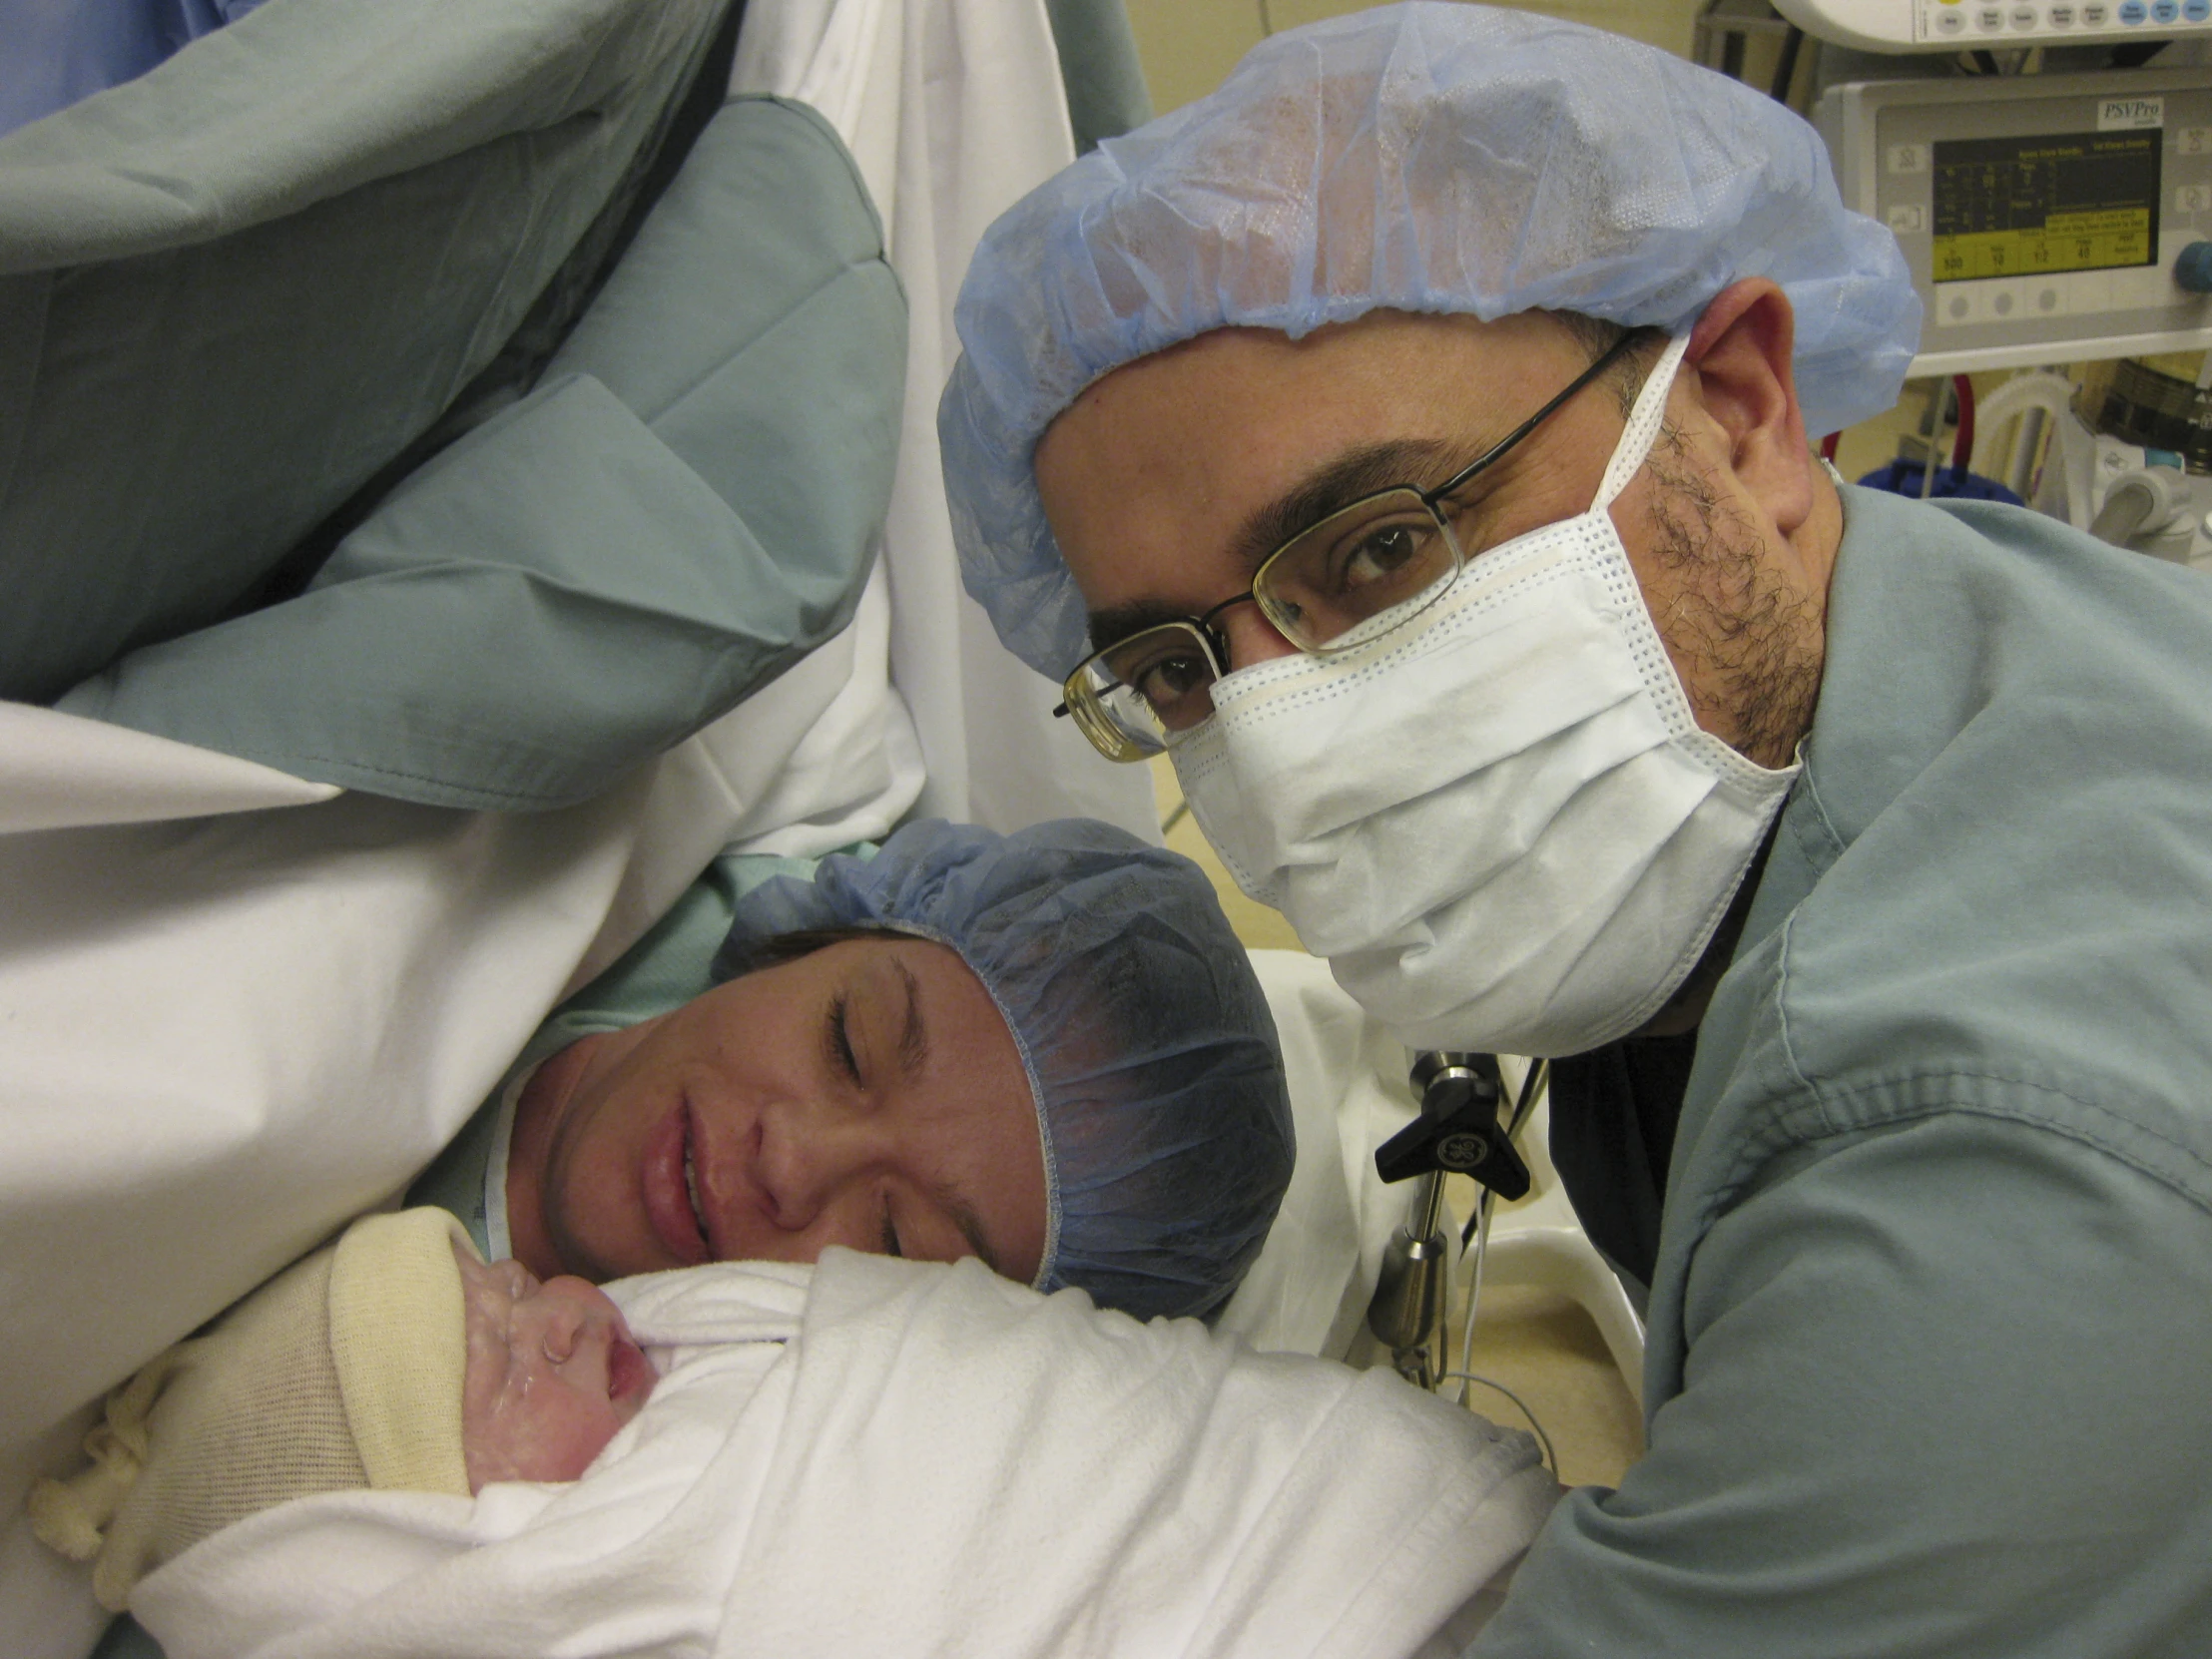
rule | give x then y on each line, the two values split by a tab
1188	45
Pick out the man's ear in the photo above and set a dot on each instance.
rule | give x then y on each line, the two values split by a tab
1738	353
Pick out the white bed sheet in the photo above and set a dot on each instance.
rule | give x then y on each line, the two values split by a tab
891	1459
1309	1291
236	1009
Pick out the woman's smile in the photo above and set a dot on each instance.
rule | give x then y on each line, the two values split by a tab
669	1185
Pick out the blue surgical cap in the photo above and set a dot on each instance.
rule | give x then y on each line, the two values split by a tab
1438	158
1149	1047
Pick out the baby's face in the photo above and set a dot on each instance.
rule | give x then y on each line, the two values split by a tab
552	1374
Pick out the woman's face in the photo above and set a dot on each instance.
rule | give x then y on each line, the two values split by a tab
552	1374
867	1095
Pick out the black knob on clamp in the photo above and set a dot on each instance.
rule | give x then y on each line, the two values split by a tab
1458	1128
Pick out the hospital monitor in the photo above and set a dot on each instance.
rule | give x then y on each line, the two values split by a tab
2045	218
1958	25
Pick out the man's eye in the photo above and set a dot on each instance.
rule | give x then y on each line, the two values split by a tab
1381	553
836	1039
1166	681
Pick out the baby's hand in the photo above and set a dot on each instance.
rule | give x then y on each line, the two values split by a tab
553	1374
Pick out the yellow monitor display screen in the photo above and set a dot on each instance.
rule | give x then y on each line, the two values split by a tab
2029	206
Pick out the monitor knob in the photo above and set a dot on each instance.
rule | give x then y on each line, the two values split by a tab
2193	267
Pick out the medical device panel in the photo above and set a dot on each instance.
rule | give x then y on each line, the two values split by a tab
1958	25
2044	218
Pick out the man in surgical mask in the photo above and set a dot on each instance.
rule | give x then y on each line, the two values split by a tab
1411	441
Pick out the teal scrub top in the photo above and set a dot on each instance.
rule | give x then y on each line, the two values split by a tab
1929	1365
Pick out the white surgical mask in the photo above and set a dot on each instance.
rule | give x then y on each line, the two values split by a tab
1499	821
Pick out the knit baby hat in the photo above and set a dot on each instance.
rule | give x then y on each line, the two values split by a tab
344	1370
399	1343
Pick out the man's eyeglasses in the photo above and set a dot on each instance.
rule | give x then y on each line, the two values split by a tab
1393	550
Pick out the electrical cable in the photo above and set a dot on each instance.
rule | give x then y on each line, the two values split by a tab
1543	1440
1786	70
1961	443
1934	438
1267	18
1481	1223
1533	1082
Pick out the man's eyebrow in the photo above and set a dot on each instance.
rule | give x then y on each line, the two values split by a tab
913	1037
1120	622
1329	489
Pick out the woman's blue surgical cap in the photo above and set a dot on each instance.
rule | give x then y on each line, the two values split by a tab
1150	1050
1438	157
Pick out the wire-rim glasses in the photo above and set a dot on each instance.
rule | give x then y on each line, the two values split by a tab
1392	550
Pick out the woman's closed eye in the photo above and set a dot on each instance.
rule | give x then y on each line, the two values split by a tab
836	1038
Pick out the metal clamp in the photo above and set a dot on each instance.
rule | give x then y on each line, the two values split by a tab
1406	1312
1459	1128
1458	1131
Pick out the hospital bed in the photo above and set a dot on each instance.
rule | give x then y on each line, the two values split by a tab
250	981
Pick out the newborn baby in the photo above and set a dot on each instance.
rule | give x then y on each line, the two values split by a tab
872	1456
394	1359
552	1370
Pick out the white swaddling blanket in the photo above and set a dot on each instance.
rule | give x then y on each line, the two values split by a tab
936	1461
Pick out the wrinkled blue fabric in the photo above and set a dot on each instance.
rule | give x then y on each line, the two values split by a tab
1429	158
59	51
1148	1043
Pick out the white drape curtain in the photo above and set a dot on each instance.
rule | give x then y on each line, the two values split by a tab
954	109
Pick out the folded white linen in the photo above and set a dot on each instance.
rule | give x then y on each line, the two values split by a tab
237	1009
895	1457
